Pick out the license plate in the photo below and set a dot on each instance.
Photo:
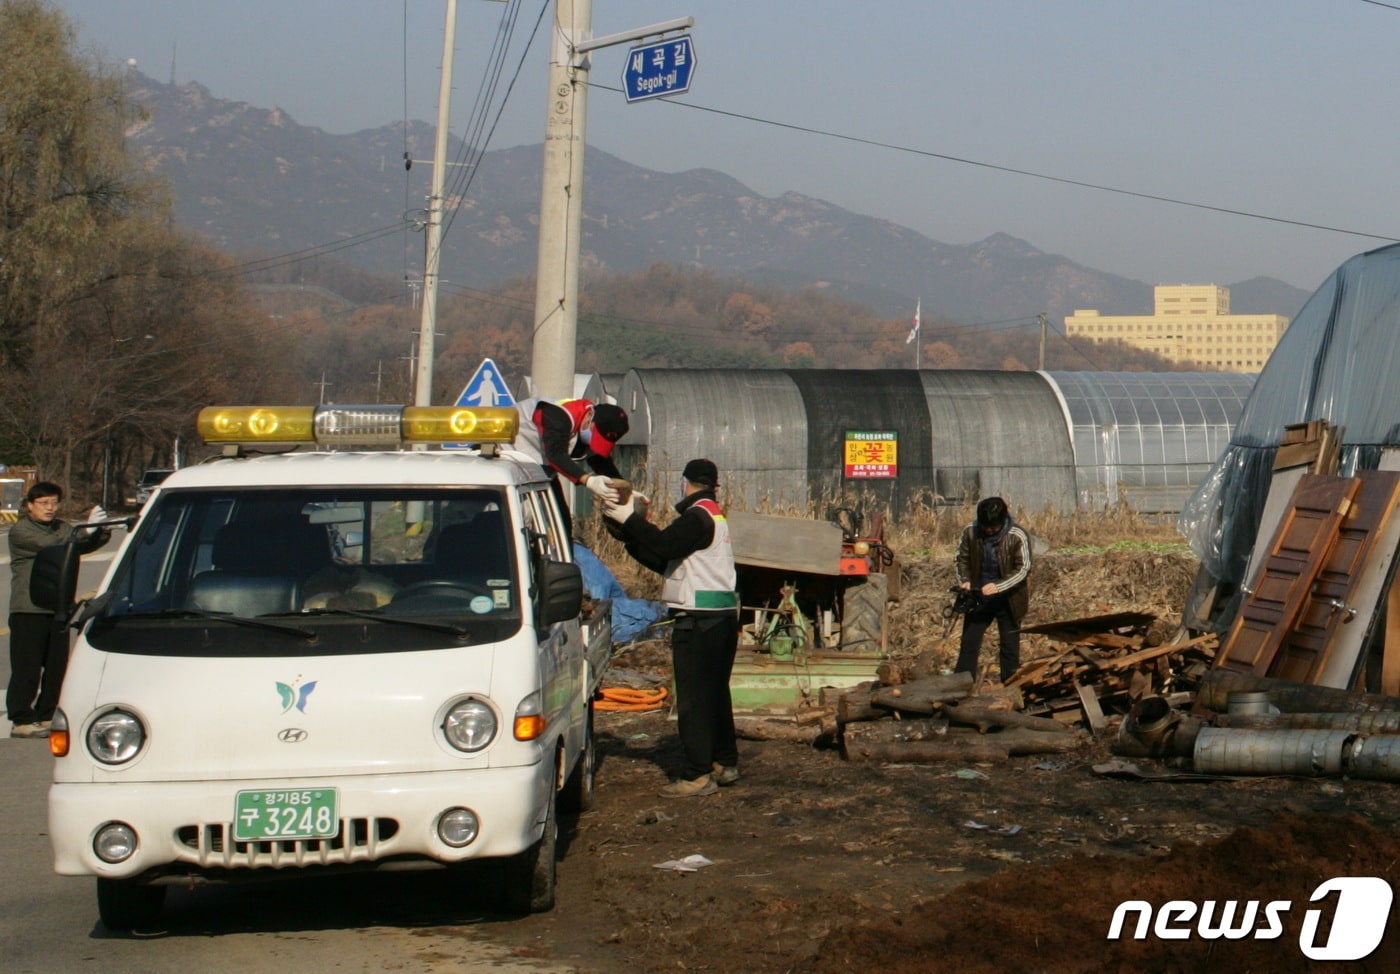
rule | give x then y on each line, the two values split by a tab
305	813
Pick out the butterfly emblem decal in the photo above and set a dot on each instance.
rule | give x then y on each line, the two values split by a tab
294	696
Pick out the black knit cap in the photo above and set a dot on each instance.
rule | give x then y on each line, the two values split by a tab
702	472
610	421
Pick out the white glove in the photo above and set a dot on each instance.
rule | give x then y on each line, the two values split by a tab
605	491
620	512
96	514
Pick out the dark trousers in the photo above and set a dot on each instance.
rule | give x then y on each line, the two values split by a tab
975	625
702	656
38	660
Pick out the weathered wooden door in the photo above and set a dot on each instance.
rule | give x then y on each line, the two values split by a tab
1296	556
1348	586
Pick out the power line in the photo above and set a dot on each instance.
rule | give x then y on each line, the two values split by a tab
1063	180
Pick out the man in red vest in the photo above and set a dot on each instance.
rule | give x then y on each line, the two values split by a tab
575	438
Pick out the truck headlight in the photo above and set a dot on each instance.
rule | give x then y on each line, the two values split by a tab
115	737
469	725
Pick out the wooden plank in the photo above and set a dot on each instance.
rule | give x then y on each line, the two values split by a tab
1093	713
1165	649
1295	455
1031	671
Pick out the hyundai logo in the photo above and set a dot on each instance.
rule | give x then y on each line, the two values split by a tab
291	735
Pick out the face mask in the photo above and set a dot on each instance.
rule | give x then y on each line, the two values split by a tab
586	436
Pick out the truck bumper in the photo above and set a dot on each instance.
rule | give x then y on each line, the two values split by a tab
185	829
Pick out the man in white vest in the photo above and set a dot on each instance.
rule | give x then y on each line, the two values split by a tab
696	558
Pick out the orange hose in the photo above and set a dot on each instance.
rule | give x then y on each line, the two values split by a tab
625	699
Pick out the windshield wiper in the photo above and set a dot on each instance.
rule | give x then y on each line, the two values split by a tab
457	631
236	620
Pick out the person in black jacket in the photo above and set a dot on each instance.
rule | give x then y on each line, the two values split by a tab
39	649
994	560
695	556
573	438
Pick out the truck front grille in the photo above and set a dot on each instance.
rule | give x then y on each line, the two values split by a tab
211	845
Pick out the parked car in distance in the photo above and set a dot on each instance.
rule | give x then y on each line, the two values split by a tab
148	482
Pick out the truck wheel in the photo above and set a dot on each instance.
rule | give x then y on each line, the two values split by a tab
530	876
863	614
581	788
124	904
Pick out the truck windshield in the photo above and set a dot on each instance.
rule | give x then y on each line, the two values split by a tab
351	565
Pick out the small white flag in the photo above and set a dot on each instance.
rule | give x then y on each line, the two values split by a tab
914	332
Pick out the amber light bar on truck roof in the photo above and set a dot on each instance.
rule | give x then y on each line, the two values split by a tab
357	425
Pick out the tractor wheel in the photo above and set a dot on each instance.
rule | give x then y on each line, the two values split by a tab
863	614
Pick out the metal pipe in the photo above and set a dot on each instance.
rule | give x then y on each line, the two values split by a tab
1291	698
1303	752
1152	728
1359	723
1376	758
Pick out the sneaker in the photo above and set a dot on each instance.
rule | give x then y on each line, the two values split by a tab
703	785
725	774
29	730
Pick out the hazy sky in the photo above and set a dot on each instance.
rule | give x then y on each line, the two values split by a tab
1284	109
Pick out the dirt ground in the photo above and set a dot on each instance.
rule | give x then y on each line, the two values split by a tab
822	865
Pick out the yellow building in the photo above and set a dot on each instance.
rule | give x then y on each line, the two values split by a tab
1189	323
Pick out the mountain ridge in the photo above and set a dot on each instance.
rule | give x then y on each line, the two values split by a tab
254	181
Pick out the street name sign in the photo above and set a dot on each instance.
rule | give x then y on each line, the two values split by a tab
654	70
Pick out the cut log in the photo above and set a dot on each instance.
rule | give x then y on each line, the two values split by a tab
854	705
763	729
984	719
815	715
924	696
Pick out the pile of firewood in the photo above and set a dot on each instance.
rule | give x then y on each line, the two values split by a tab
1102	664
1098	665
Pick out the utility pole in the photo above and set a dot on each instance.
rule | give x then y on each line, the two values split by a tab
555	339
561	204
1043	318
423	390
378	374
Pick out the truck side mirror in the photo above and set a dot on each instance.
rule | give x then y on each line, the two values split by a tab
54	582
560	592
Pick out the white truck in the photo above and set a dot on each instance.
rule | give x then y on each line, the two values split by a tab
327	658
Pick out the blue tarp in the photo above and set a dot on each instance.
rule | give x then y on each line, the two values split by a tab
630	617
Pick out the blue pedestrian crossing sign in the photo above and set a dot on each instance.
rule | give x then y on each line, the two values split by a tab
486	388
